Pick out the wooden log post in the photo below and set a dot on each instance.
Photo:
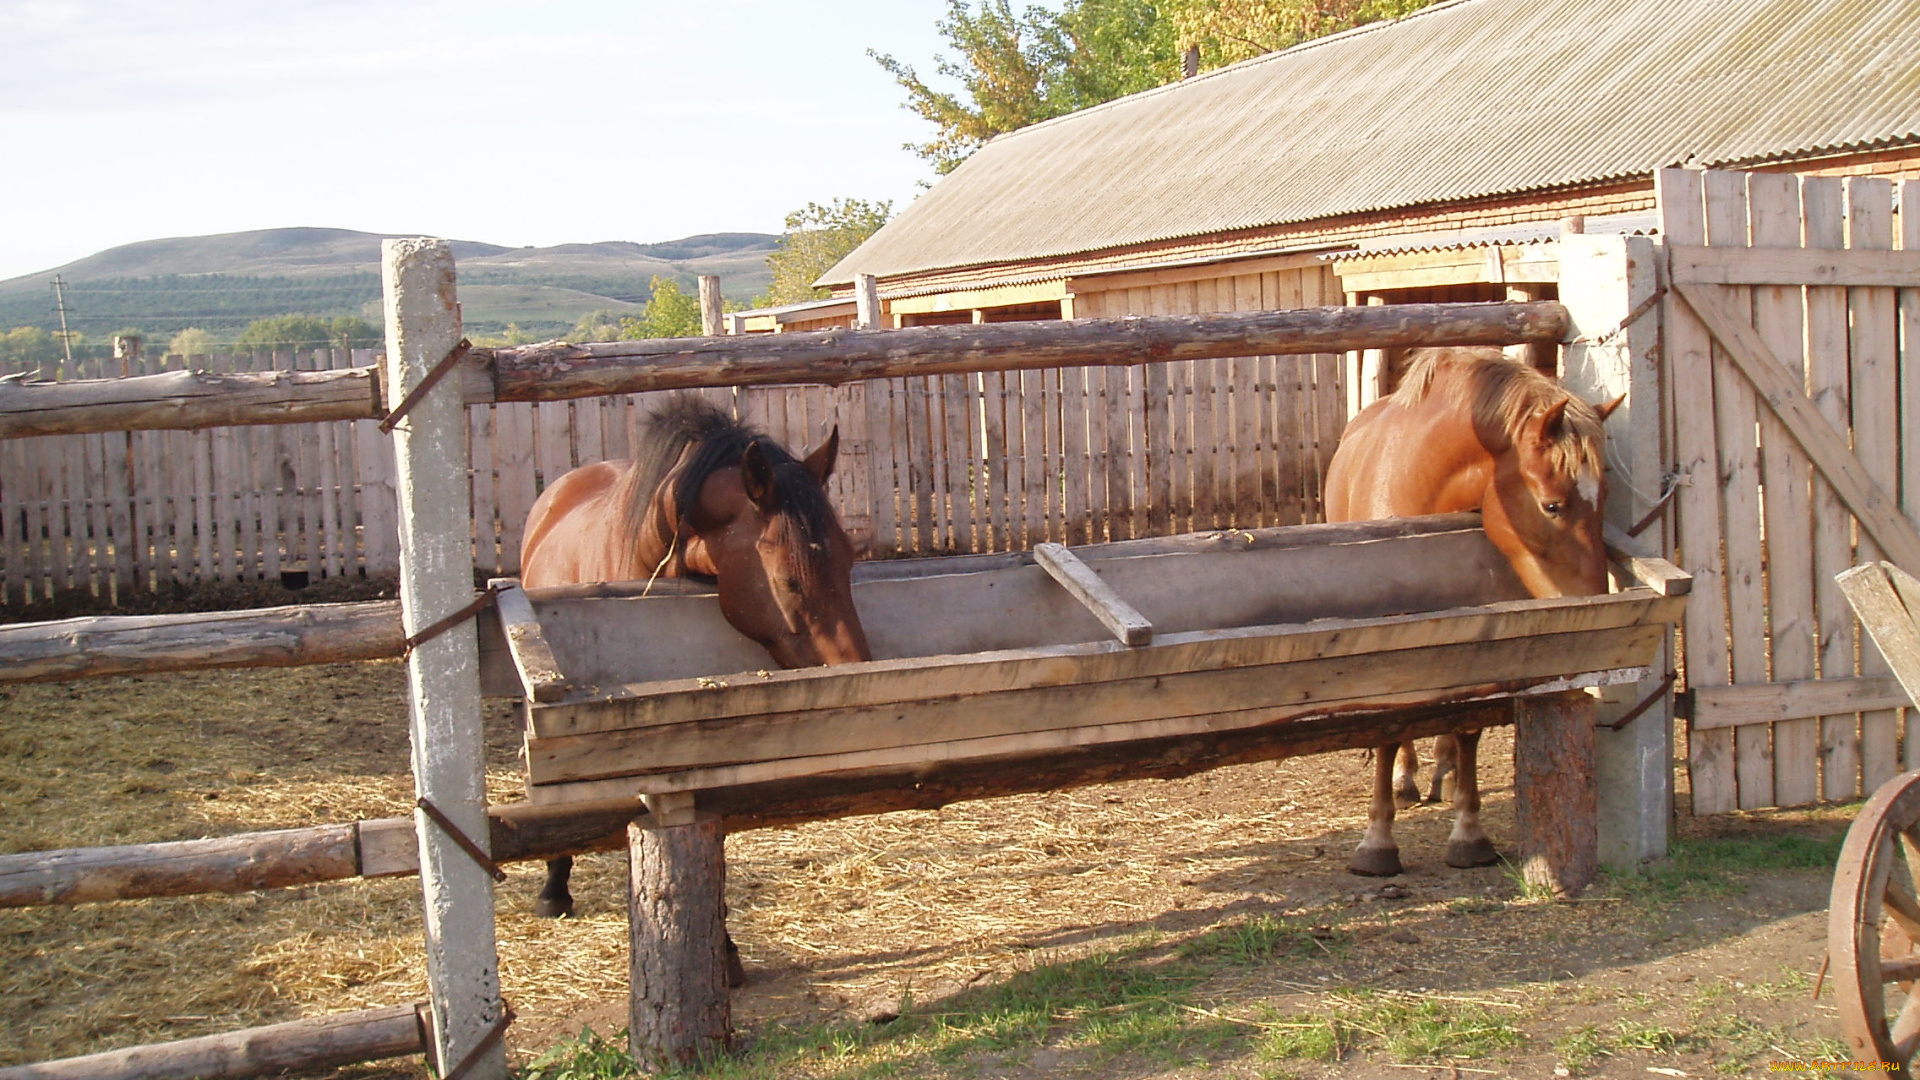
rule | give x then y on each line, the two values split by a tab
710	305
436	580
1610	287
1553	780
319	1042
866	302
678	1009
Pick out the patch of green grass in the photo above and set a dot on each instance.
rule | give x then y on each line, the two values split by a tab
1528	891
1474	905
1264	938
587	1056
1707	867
1407	1027
1581	1047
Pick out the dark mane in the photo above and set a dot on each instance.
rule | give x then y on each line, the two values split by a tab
718	441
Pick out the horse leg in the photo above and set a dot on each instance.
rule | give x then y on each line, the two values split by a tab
1406	775
1468	846
1446	766
1378	856
555	901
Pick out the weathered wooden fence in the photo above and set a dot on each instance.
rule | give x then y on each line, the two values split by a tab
1791	326
951	463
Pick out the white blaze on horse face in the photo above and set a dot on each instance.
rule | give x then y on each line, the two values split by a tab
1589	487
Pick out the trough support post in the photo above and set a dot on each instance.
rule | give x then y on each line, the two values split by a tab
1604	281
678	1011
436	580
1553	782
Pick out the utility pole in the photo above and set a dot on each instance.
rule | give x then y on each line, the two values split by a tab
66	338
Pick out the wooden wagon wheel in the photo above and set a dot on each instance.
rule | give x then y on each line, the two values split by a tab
1873	925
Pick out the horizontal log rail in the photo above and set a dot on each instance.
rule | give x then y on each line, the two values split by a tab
521	832
148	644
558	371
555	371
186	400
318	1042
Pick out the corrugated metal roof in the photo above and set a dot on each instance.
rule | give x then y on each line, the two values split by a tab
1525	232
1466	99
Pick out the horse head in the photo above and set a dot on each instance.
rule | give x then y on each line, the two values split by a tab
1544	507
783	563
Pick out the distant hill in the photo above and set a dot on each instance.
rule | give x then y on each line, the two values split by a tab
221	283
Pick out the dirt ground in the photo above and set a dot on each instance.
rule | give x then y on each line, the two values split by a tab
1155	929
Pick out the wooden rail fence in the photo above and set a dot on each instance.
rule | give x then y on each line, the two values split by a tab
967	461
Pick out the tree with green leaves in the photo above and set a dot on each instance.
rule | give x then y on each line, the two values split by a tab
670	312
1015	70
25	347
815	239
304	332
192	341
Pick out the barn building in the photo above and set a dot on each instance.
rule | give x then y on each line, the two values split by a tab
1429	158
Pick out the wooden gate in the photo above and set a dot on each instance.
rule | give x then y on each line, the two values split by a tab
1793	451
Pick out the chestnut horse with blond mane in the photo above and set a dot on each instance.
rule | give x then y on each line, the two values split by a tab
1470	429
706	497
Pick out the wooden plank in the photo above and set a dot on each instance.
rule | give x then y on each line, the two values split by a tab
1155	427
995	456
1877	600
1123	619
380	529
1736	417
1028	483
532	657
960	440
1908	195
881	457
917	678
1777	702
1774	209
1689	350
486	535
925	754
1828	382
1077	455
1874	360
183	400
14	587
328	477
513	451
119	501
1796	267
854	469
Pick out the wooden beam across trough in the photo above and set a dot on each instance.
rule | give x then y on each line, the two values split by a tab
557	371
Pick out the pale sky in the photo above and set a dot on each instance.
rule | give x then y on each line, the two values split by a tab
511	122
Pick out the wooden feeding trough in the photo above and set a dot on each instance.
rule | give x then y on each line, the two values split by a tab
992	657
1023	672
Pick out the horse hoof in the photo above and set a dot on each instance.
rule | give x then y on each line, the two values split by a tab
1375	862
1406	797
1467	854
549	907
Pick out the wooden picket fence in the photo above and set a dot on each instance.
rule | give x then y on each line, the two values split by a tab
944	464
1792	324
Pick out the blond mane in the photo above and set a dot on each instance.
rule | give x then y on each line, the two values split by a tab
1504	393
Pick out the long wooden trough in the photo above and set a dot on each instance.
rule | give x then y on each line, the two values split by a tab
1294	631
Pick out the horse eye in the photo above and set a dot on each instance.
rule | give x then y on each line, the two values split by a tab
1552	509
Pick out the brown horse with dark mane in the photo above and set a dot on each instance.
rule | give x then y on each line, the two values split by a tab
708	498
1470	429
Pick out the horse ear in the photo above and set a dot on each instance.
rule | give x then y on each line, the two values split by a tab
756	475
1607	409
1551	420
820	462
